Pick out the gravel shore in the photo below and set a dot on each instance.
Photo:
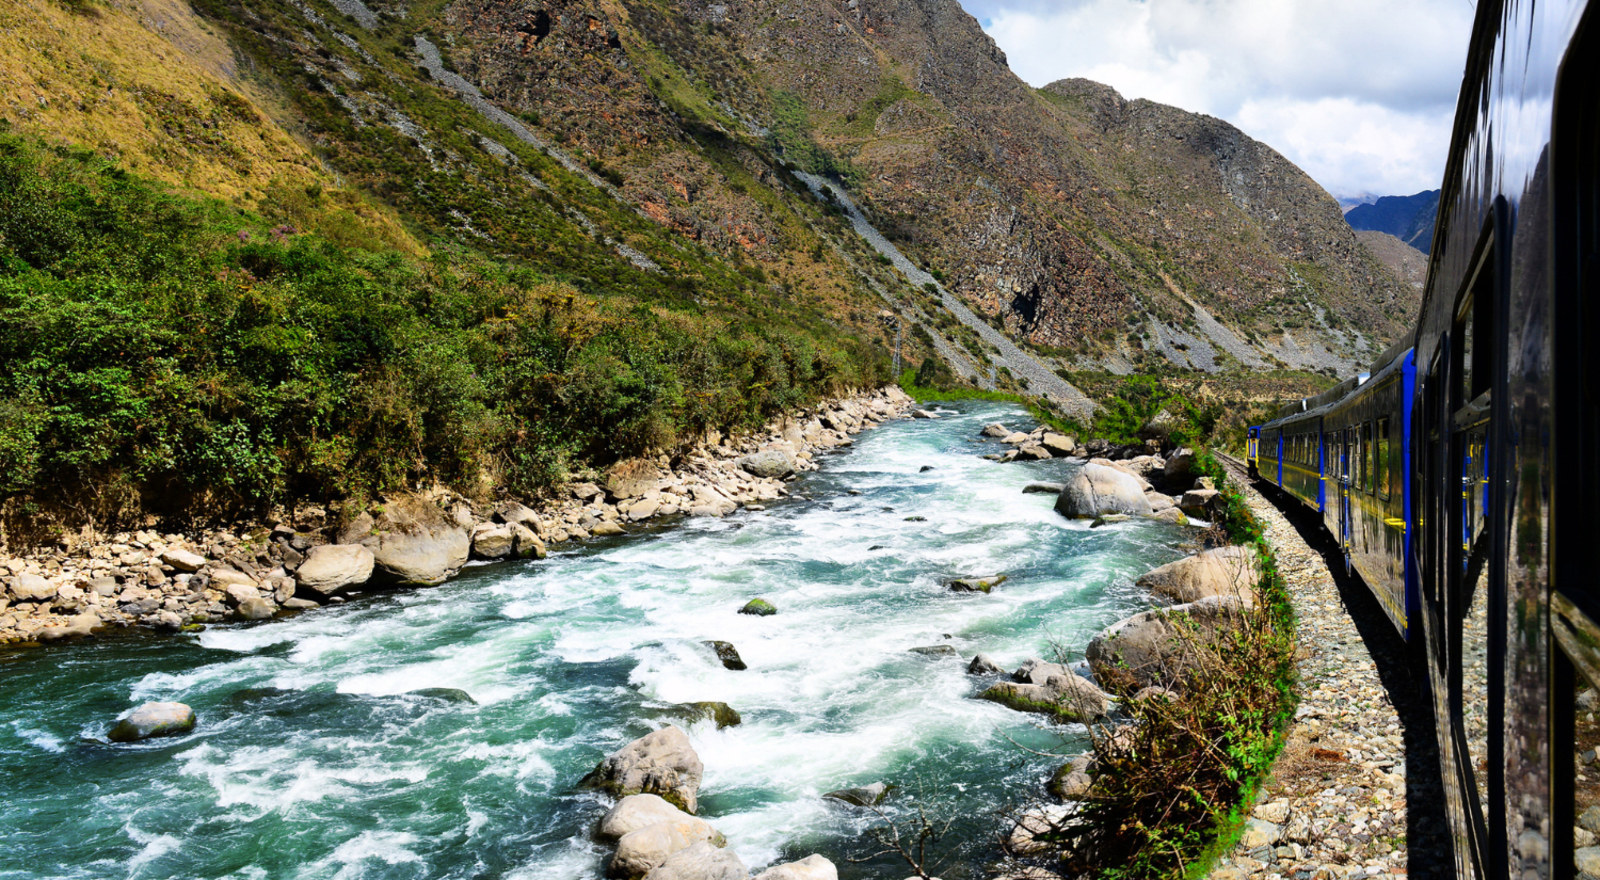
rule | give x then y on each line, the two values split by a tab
1356	792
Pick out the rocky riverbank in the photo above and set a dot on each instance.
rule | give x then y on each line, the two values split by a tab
314	555
1335	807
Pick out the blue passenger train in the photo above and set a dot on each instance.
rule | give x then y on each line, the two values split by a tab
1456	473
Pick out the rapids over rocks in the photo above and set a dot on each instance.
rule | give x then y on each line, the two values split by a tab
315	757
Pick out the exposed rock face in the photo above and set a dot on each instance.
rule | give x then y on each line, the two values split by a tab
331	568
491	541
1100	489
414	543
152	720
1223	571
661	763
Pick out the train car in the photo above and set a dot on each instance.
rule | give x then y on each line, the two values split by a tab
1367	433
1506	437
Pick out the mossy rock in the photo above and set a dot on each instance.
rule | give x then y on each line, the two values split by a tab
916	519
1107	519
1018	697
1069	782
759	607
936	651
706	710
977	584
152	720
862	796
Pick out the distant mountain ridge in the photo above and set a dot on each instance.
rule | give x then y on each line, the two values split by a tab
1408	218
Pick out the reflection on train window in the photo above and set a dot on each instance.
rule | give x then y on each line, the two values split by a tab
1367	449
1586	760
1465	335
1475	683
1383	457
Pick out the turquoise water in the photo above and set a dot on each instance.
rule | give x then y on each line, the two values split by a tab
311	760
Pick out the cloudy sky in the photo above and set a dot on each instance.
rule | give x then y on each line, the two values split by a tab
1359	93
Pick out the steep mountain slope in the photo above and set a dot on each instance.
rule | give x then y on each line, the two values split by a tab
1408	218
646	149
1406	262
1109	232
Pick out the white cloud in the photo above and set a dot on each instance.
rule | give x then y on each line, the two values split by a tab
1359	93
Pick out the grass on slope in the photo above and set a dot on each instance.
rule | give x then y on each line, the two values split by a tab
168	353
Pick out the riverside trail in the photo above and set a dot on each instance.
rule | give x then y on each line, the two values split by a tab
315	757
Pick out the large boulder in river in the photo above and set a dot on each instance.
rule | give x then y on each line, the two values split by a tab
412	541
1179	465
641	852
1097	489
1069	697
152	720
1060	445
661	763
330	568
492	541
772	463
702	861
1155	648
1224	571
812	867
643	810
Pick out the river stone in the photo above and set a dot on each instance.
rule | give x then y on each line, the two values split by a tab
78	627
152	720
640	852
983	664
1171	515
772	463
525	543
1198	502
862	796
644	508
1060	445
728	654
936	651
182	559
923	414
1107	519
1158	501
448	695
707	710
334	567
256	608
227	578
1223	571
641	811
1259	833
701	861
977	584
812	867
759	607
1069	783
1062	697
632	478
662	763
1180	464
1043	488
491	541
606	528
1148	649
32	588
1036	671
1033	452
995	430
1588	860
1016	438
1098	489
412	541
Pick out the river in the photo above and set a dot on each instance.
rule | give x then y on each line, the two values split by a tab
312	760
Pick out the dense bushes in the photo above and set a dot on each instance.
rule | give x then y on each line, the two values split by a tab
160	349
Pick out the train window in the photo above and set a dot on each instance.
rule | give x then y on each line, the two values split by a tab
1383	457
1368	448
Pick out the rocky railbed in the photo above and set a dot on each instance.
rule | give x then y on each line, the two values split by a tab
168	581
1336	806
